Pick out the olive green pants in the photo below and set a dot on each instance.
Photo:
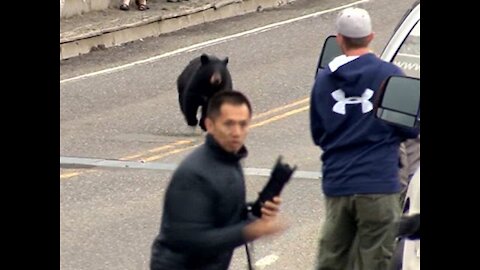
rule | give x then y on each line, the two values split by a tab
358	232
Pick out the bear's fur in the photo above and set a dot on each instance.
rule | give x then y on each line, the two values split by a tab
199	81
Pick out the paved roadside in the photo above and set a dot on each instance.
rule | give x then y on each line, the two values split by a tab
112	27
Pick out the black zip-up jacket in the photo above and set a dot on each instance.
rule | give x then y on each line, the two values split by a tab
204	211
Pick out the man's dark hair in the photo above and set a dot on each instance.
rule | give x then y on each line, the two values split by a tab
231	97
355	43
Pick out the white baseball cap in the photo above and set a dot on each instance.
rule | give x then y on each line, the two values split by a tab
354	23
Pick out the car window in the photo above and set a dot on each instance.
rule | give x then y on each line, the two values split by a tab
408	56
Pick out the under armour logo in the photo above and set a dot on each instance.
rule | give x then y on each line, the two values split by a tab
339	96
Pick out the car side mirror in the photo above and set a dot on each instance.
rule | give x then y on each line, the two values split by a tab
330	50
398	101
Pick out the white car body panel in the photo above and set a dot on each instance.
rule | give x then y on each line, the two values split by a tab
411	252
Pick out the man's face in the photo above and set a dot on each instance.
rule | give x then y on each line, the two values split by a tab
230	128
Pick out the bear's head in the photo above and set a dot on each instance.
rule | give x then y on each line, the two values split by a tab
214	72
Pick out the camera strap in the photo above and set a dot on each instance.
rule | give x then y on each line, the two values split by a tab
249	259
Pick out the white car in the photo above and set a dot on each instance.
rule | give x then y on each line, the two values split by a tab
403	49
411	249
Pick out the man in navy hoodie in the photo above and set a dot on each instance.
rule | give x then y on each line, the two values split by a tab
360	153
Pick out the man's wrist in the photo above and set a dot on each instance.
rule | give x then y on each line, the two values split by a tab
253	230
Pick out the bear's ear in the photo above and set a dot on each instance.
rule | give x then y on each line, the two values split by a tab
204	59
225	61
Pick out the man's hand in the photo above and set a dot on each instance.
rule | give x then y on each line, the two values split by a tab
270	208
269	223
280	175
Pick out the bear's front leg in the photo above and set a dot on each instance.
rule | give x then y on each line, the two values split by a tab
204	115
190	107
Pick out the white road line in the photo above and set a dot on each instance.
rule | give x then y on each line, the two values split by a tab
211	42
265	261
79	162
409	55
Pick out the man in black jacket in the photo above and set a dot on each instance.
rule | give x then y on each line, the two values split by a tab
204	216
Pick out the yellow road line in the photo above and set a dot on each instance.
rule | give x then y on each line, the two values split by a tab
178	150
280	108
295	103
280	116
68	175
183	142
168	146
158	149
275	118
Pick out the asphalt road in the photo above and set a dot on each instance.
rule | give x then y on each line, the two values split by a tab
110	216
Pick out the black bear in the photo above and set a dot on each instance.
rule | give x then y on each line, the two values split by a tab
202	77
